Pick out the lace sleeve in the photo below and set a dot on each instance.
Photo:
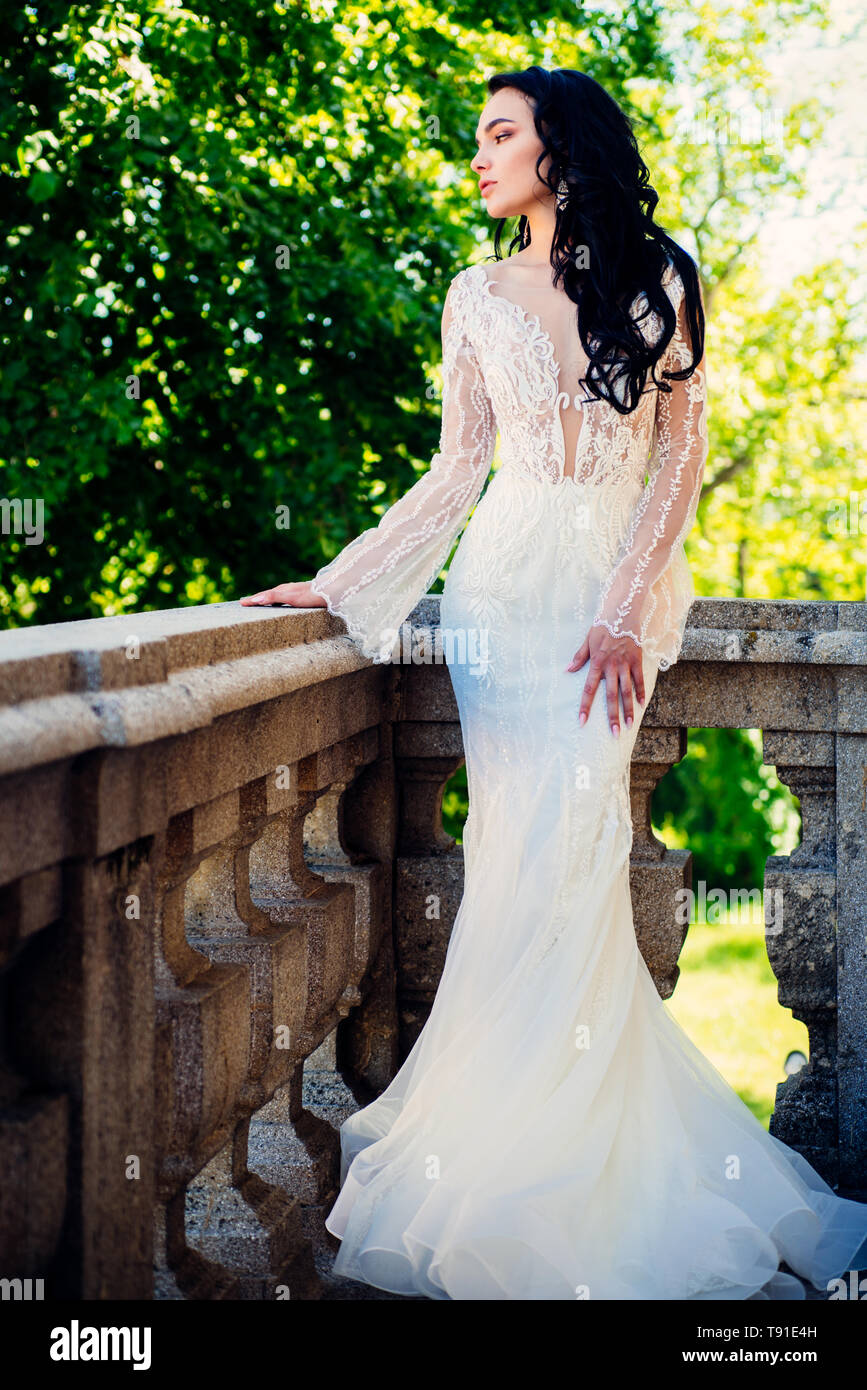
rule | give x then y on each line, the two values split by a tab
376	580
648	594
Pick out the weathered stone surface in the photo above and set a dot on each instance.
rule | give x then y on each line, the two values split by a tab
220	841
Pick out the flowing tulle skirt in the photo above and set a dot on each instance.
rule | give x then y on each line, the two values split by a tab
554	1134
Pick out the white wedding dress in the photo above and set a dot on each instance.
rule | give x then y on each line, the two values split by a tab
554	1134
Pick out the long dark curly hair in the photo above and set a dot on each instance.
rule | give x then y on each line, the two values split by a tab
608	208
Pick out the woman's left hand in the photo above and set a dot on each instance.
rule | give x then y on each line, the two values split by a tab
618	659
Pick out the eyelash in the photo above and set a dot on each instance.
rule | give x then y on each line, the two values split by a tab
504	135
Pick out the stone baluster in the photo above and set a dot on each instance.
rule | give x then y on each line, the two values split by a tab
851	984
655	872
800	894
202	1048
429	872
257	901
350	838
76	1142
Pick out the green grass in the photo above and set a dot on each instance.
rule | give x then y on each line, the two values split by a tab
726	1000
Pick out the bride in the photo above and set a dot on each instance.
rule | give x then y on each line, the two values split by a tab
554	1134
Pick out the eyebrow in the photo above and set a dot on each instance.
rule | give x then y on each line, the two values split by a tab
496	121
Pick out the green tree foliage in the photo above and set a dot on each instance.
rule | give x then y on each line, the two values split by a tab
726	807
231	232
783	512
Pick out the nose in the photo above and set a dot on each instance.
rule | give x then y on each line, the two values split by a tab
477	164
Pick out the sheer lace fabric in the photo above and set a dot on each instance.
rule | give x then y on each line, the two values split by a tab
376	580
512	360
649	590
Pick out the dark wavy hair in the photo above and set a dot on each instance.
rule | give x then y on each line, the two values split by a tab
608	208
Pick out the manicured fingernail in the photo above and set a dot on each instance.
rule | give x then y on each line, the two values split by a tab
582	718
629	721
615	729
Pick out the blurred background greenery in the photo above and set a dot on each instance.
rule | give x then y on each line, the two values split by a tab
726	1000
229	232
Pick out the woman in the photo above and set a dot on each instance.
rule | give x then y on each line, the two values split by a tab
553	1133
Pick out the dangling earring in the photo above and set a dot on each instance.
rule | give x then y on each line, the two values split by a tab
562	193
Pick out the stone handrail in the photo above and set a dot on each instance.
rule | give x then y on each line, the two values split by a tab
220	833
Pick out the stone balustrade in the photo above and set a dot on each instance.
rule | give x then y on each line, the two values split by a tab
220	834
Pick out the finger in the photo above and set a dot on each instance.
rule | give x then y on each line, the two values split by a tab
281	593
580	656
626	693
611	696
590	685
266	596
638	677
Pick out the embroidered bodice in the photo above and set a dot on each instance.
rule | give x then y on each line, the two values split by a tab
512	363
551	428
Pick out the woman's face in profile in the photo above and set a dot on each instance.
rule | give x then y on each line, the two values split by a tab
505	162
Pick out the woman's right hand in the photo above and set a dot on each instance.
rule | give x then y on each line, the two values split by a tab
298	595
617	660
